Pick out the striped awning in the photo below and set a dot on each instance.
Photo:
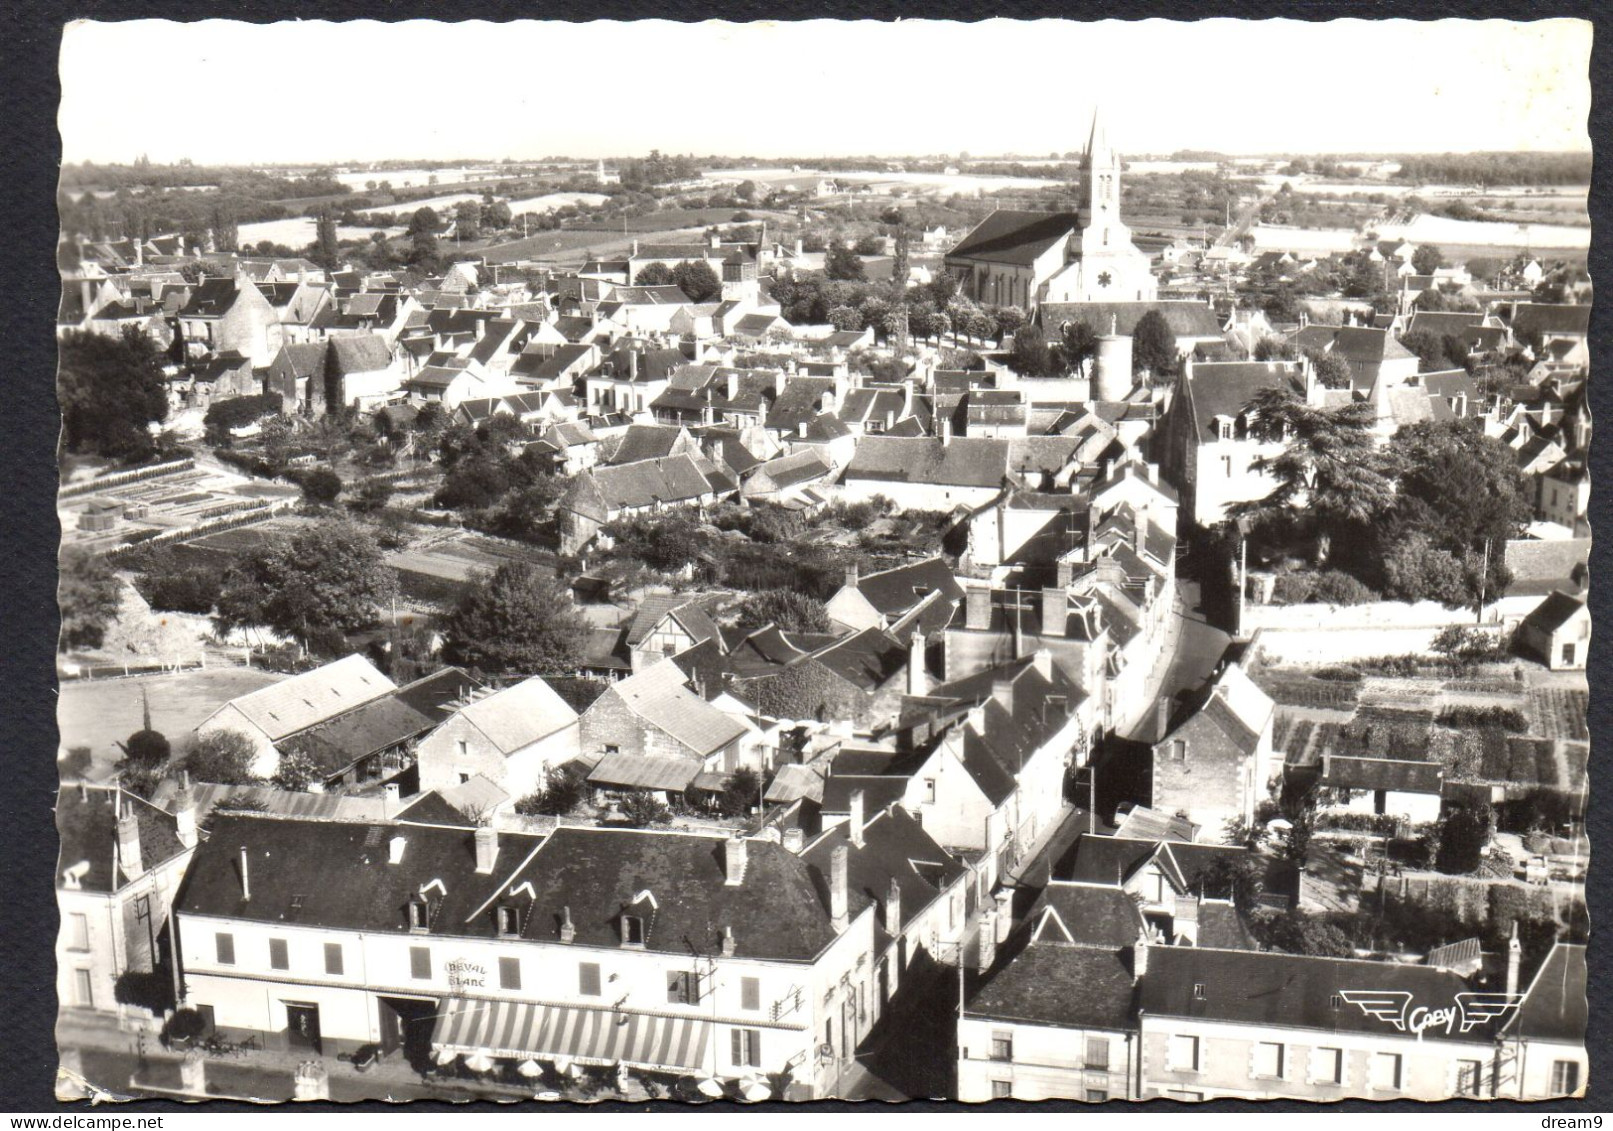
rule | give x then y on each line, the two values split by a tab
588	1036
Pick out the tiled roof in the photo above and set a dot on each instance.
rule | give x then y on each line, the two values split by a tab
658	695
87	827
296	703
644	771
1390	774
1070	987
518	716
1010	236
1547	319
1554	612
1555	1007
1225	389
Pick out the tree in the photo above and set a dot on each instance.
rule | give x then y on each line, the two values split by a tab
1464	831
1434	351
474	483
326	252
840	262
740	793
424	253
321	485
111	391
146	749
900	262
224	757
654	275
87	594
697	280
326	579
790	610
1275	349
468	219
1427	259
516	620
868	245
1079	344
1330	467
1298	932
1414	570
562	792
845	318
496	216
1029	354
424	221
226	233
1007	321
372	496
1331	372
1153	346
297	769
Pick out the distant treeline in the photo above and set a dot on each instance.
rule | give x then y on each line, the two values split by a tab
1498	168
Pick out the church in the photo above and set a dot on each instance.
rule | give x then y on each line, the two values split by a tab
1015	258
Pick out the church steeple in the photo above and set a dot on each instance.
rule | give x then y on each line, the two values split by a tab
1102	170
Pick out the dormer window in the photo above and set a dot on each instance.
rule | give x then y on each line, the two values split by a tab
1224	428
419	914
509	922
632	930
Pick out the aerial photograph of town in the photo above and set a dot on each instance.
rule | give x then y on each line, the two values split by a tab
899	584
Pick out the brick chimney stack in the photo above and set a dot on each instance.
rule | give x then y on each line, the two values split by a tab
734	861
858	815
486	849
128	839
838	867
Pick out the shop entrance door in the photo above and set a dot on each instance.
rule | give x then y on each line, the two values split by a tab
406	1024
302	1026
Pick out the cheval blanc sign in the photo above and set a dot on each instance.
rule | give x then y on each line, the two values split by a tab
464	975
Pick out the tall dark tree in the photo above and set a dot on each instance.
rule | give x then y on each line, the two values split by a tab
840	262
900	259
1029	355
517	620
110	389
326	253
1153	346
1427	259
1078	343
654	275
226	232
1330	468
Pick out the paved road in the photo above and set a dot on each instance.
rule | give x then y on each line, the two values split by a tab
1196	647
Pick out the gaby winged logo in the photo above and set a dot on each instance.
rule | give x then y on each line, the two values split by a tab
1471	1010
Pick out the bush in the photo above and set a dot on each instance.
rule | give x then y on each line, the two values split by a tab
296	772
563	792
642	810
742	790
146	749
185	1025
170	587
790	611
321	485
224	757
1335	587
1338	674
1379	824
372	496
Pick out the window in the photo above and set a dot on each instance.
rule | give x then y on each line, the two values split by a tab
682	988
1226	466
84	989
1568	653
509	973
1564	1077
929	791
463	777
1183	1054
1002	1046
1097	1057
1225	427
464	747
1386	1071
632	930
1329	1066
78	936
509	922
1002	1089
1268	1060
612	748
750	993
225	944
420	963
747	1047
1199	992
1178	750
333	958
588	979
278	959
1097	1095
419	915
1469	1076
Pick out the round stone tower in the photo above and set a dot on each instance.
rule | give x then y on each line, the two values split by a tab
1112	380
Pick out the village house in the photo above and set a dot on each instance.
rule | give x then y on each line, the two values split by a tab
727	958
1558	632
118	866
1215	766
879	600
230	315
1387	787
601	495
347	371
514	737
653	715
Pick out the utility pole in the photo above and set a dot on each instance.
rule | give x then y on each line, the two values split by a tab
1484	577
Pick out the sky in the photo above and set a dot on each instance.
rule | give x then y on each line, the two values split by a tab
367	91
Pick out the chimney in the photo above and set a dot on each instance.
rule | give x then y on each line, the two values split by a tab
1162	717
986	942
390	794
632	364
185	812
1002	690
486	849
1139	955
1005	914
837	887
1514	957
734	861
918	680
1139	529
481	328
129	840
635	249
852	577
1044	663
798	251
977	608
1055	611
1153	472
794	840
854	826
716	240
728	942
395	849
733	386
568	929
246	878
946	430
893	908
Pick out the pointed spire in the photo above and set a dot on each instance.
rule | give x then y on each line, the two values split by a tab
1098	139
